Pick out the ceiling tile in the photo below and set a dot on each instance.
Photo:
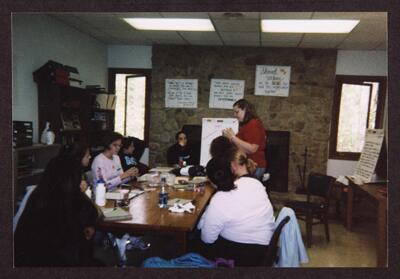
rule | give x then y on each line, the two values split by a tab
245	15
198	36
290	38
239	37
105	21
357	45
161	35
185	15
170	42
322	40
286	15
243	43
349	15
279	44
140	14
237	25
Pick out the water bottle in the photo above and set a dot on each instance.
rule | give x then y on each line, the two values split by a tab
100	189
163	198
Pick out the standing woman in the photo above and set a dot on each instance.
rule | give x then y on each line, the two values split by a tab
109	165
251	137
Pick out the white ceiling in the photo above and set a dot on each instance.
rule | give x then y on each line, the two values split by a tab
110	28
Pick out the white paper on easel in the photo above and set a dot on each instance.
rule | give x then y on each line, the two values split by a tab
369	155
212	128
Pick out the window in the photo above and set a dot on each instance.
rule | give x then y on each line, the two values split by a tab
132	90
358	105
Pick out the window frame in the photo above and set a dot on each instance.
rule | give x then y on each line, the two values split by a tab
350	79
112	72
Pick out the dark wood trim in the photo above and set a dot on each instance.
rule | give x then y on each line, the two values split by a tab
340	79
143	72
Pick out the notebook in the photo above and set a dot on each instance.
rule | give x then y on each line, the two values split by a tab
118	195
115	214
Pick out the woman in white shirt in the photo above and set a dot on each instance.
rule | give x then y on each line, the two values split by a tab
239	220
108	165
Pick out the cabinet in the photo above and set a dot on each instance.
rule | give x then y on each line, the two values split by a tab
72	115
29	165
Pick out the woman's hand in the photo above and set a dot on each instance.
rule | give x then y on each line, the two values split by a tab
228	133
130	172
83	186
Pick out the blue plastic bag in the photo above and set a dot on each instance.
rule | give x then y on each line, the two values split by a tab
190	260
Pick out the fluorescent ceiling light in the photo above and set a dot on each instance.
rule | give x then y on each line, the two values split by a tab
308	26
171	24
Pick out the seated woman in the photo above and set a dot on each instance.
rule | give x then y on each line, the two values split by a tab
219	146
239	220
79	152
127	158
108	163
181	153
57	224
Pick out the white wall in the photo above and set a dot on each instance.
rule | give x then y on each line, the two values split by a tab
122	56
364	63
35	40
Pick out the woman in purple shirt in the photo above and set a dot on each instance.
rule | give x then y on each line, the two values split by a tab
108	165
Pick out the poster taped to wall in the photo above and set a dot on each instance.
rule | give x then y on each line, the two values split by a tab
272	80
225	92
212	128
181	93
369	156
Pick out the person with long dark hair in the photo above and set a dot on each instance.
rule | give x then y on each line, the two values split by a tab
180	153
57	224
127	158
239	222
251	137
80	152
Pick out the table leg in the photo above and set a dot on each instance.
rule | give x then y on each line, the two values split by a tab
381	235
349	207
180	238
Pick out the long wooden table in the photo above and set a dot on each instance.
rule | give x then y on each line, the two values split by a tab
148	218
381	234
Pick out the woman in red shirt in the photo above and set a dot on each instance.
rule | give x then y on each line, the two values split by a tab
251	137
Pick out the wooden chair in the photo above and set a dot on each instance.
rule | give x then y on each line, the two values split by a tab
318	185
272	252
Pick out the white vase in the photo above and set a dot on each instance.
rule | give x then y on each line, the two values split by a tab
50	137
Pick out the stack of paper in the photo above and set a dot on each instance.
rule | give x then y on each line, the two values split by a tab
115	214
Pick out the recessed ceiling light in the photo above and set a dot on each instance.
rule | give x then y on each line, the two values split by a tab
171	24
308	26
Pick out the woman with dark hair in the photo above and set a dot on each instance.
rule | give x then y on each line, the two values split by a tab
219	146
251	137
239	220
108	165
80	152
58	221
181	152
127	158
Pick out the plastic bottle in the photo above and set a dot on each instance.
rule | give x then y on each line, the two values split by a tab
163	198
100	189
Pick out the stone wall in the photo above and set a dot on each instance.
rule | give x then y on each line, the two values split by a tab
306	113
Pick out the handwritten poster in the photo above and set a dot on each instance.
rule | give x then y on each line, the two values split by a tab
210	129
225	92
369	155
181	93
272	80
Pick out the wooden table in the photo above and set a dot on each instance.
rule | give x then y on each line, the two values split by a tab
148	218
381	234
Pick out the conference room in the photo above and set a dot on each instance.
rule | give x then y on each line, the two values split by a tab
319	92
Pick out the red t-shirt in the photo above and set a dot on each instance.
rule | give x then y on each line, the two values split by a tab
253	132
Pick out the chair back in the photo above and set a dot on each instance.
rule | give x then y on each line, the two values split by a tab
319	185
272	251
